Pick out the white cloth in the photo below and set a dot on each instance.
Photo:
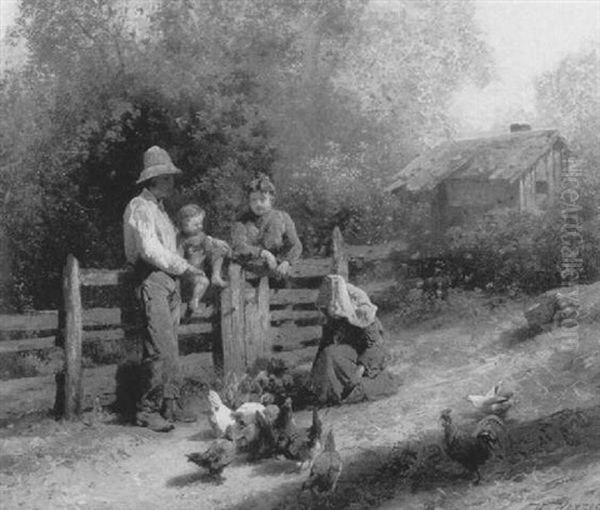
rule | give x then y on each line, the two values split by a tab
342	300
149	235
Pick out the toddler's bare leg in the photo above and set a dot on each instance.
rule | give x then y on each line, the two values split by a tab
201	283
217	264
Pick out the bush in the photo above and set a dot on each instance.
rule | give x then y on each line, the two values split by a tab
518	251
81	179
410	305
339	189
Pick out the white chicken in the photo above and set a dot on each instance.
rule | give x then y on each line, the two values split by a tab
245	422
220	417
225	422
494	401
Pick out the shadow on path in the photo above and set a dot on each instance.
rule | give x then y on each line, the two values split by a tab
370	478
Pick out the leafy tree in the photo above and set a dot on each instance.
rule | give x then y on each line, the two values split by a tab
328	96
568	99
401	63
109	101
406	63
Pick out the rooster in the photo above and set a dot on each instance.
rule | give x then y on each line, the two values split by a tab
220	417
216	458
326	468
494	401
301	445
472	450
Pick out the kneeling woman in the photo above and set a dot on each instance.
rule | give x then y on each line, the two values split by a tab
351	362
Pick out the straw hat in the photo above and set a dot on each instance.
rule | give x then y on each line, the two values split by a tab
157	162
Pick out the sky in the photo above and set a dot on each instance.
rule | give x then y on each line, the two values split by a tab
527	37
8	11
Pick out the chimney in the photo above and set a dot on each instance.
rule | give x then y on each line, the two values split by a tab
514	128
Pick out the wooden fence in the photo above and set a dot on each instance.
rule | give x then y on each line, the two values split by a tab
83	346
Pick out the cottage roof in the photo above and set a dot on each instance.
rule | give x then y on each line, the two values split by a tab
505	157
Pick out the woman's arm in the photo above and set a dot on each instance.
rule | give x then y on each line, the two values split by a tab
333	333
376	356
241	244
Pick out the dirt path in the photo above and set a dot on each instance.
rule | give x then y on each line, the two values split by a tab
50	465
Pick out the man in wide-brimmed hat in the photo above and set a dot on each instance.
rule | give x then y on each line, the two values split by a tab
150	247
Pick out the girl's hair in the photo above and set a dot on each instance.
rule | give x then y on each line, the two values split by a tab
189	211
261	183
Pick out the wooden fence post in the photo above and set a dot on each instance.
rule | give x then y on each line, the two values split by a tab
264	318
72	339
257	340
232	322
245	321
217	334
340	259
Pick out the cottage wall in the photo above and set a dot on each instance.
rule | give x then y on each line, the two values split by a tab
527	186
459	200
477	194
538	187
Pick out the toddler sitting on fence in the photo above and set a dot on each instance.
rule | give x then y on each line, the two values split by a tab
198	248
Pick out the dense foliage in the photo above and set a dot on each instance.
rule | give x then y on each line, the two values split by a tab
568	99
329	97
517	251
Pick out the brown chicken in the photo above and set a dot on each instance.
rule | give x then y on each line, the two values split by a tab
264	445
284	423
216	458
472	450
301	445
326	469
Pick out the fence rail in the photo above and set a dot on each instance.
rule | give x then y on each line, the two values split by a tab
87	343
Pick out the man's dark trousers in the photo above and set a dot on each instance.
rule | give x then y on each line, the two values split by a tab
160	301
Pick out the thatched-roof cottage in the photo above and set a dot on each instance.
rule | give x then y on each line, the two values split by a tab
519	170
